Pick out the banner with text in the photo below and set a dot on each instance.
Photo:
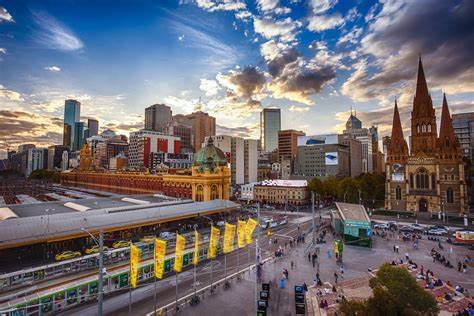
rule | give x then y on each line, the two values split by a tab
241	234
213	243
229	236
178	254
159	257
196	248
249	228
134	265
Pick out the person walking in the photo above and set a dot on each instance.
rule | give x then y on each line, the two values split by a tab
335	276
309	257
342	271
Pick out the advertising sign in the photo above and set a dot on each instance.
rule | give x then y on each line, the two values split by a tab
196	248
159	257
229	235
134	263
213	243
249	228
241	234
331	158
178	255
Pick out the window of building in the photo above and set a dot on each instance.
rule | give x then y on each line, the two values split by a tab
214	192
422	179
411	181
429	128
433	181
398	193
423	128
449	195
199	193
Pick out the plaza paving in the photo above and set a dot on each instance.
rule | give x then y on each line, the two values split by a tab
239	298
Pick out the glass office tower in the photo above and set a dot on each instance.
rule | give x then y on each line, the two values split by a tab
270	124
72	112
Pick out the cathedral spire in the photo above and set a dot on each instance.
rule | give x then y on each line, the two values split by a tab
398	148
421	86
447	141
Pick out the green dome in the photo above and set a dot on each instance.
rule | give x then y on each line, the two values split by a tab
210	156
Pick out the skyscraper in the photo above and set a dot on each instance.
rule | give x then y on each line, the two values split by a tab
270	124
157	117
72	112
93	127
202	125
78	136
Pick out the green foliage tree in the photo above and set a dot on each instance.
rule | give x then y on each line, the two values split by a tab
395	292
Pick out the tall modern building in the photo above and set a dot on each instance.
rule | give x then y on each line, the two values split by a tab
270	124
78	139
72	113
93	127
157	117
354	130
463	124
202	124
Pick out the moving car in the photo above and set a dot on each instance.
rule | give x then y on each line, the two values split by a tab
121	244
95	249
65	255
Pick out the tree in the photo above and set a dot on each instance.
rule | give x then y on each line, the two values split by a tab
395	293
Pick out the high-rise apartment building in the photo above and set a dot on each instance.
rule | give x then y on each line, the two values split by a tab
354	130
93	127
55	156
242	157
463	124
78	136
288	143
157	117
185	133
270	124
202	124
72	113
144	143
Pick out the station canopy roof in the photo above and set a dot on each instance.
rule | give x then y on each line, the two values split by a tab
34	223
352	212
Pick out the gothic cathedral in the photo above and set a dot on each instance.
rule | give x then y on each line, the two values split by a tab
429	177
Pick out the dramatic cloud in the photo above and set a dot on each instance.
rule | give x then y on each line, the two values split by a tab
295	108
53	68
319	23
5	16
243	15
399	33
285	29
321	6
10	95
53	34
351	37
221	5
240	131
272	6
210	87
245	83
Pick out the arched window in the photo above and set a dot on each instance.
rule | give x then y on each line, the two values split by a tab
412	185
449	195
433	181
447	142
199	193
429	128
214	192
423	128
398	193
422	179
418	128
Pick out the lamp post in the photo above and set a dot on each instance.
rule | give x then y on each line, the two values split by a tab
99	243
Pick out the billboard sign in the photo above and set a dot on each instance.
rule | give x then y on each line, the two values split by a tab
331	158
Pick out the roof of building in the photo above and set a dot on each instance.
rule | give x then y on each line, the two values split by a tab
284	183
210	154
68	222
352	212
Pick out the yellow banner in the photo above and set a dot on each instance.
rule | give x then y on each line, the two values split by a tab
196	248
159	257
178	254
134	264
249	228
241	234
229	236
213	243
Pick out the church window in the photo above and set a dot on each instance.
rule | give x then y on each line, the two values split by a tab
398	193
214	192
433	181
411	181
429	128
423	128
422	179
418	128
449	195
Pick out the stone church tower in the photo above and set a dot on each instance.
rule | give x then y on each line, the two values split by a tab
429	178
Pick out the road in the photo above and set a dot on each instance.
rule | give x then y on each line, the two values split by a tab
142	297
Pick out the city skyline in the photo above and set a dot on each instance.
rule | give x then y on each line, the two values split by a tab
314	60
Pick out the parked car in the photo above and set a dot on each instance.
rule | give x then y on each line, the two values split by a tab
121	244
392	224
66	255
439	227
381	226
95	249
416	227
437	231
407	229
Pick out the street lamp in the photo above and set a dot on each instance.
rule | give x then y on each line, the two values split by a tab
99	243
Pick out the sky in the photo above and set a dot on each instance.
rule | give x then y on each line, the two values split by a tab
314	59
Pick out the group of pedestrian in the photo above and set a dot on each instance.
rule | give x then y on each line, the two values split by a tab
313	257
438	257
462	267
396	248
286	274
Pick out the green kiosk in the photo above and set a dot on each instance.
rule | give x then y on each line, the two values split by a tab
352	223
